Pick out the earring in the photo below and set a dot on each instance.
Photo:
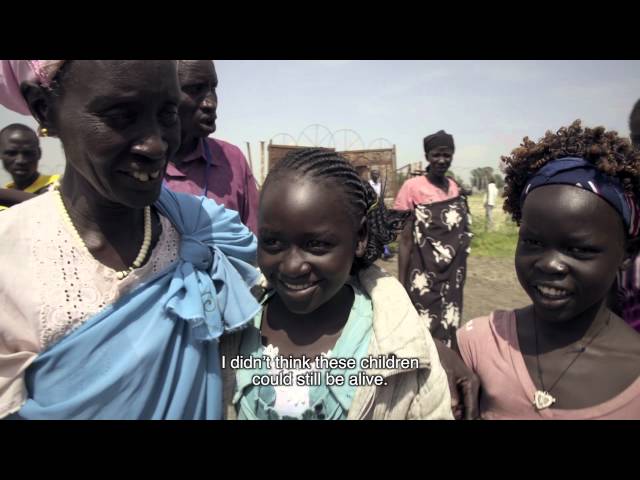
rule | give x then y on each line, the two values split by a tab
43	132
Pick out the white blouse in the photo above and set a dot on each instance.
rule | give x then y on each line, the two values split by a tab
50	285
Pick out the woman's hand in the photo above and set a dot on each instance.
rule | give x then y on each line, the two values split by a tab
464	385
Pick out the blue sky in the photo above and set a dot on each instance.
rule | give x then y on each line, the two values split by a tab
487	105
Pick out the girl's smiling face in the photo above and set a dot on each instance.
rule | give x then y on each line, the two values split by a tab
571	246
307	241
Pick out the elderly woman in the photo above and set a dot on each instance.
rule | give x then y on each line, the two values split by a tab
116	291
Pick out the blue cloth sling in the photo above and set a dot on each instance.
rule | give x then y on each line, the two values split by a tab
154	353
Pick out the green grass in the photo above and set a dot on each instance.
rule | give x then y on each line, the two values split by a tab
501	241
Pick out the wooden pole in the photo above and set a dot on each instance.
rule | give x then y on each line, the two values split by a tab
249	157
262	175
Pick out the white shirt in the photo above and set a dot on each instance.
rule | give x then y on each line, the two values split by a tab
491	195
376	186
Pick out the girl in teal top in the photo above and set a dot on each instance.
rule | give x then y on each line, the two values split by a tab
319	224
330	402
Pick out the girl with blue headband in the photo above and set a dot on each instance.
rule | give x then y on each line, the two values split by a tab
567	355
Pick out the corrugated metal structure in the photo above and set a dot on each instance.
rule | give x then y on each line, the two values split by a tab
363	161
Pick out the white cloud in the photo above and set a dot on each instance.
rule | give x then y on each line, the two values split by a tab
472	153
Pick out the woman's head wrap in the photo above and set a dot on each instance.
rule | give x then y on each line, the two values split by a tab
14	72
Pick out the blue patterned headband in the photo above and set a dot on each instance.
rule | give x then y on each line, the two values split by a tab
580	173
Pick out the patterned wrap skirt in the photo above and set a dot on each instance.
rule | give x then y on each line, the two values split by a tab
438	264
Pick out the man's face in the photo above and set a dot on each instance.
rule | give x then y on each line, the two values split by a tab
375	175
199	100
20	152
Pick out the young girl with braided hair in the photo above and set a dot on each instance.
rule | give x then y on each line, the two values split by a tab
321	228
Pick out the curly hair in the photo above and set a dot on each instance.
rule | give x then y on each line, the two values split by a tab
610	153
328	166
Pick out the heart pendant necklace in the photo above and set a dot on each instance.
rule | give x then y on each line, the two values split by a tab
542	398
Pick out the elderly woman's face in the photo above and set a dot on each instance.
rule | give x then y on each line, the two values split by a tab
118	122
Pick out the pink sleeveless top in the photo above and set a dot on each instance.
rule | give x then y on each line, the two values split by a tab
489	346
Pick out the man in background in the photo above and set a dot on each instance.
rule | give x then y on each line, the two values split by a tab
490	198
204	165
20	153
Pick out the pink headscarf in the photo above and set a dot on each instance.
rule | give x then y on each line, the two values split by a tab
14	72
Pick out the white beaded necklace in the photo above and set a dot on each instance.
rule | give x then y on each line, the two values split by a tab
144	249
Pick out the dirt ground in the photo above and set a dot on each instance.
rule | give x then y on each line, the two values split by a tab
491	284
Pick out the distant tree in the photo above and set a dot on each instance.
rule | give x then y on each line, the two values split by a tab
487	176
475	178
480	178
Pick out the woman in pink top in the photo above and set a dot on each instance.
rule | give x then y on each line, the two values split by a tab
566	356
433	247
